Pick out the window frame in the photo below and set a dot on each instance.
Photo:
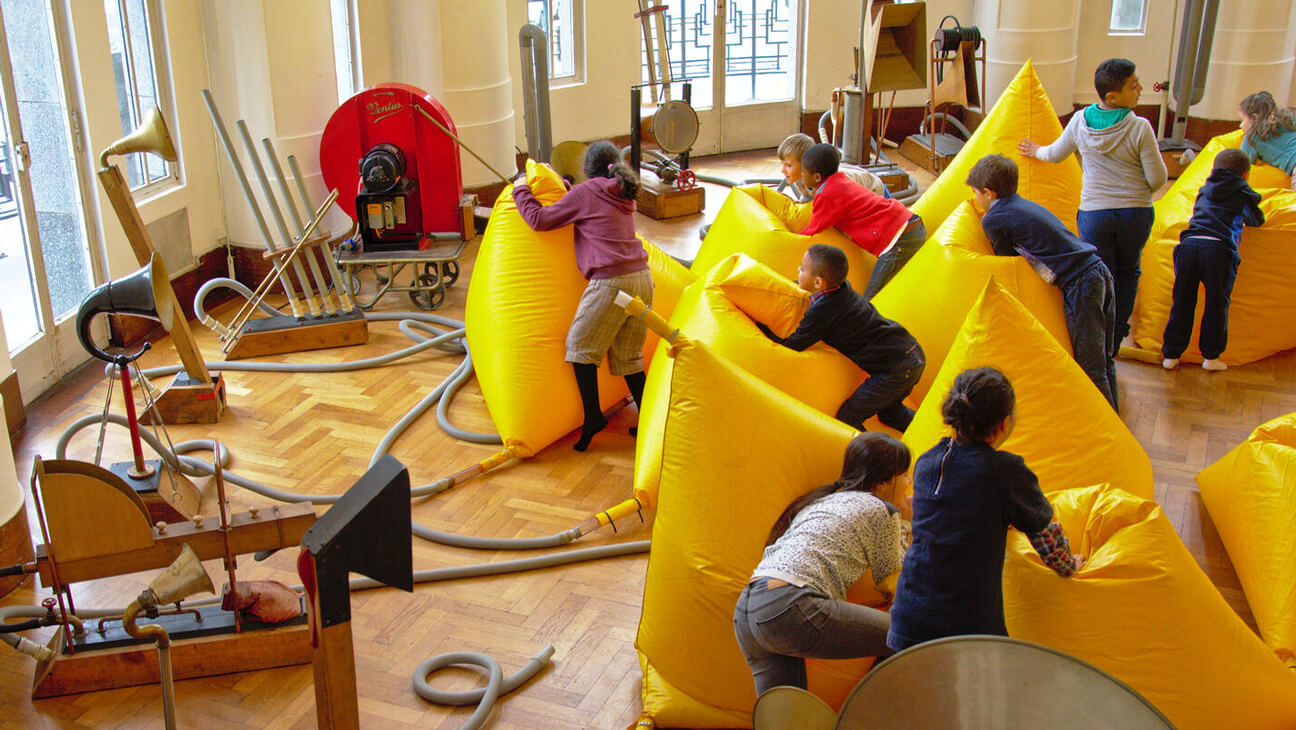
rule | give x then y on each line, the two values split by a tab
1143	20
156	18
577	21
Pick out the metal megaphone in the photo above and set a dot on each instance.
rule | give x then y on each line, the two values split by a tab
140	294
150	136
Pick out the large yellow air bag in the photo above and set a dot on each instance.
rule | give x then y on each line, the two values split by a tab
735	452
1251	497
933	292
524	291
1066	431
763	223
1022	112
1142	610
1262	316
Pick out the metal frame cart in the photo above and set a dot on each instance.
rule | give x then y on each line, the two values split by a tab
432	271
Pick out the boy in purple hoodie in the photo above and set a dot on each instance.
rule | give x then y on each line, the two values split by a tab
1207	254
601	211
1122	169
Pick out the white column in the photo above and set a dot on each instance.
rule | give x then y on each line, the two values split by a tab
1047	33
478	88
1252	52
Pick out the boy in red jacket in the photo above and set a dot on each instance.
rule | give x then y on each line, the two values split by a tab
882	226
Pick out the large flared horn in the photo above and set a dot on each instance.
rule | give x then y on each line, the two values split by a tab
150	136
181	579
142	293
568	159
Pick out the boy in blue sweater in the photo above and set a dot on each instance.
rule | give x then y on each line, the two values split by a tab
1208	254
1020	227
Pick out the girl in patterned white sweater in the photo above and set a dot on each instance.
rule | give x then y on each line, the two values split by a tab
795	605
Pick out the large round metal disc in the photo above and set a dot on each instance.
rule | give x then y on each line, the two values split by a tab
780	708
675	127
973	682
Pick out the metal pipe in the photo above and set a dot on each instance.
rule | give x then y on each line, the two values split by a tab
224	137
340	284
297	224
1195	40
307	291
535	92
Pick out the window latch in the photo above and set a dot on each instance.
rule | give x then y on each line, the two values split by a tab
22	156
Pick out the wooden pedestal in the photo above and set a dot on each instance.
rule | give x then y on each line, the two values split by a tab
206	656
277	335
166	501
659	200
188	401
918	149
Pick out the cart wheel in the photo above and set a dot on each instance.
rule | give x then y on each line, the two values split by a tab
429	295
449	271
355	285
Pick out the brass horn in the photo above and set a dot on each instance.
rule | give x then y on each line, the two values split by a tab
150	136
568	160
181	579
142	293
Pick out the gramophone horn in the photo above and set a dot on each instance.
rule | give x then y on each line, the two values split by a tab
182	578
150	136
568	160
140	294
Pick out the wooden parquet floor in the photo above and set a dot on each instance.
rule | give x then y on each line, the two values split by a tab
316	433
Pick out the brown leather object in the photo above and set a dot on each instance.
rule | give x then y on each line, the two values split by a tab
267	601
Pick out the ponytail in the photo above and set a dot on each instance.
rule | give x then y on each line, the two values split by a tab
871	459
977	403
603	159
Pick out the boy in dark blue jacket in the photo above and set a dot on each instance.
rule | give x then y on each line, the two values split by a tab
847	322
1208	254
1019	227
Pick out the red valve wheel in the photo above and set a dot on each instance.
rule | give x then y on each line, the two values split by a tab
686	181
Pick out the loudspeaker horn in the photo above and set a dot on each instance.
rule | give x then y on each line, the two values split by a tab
150	136
182	578
138	293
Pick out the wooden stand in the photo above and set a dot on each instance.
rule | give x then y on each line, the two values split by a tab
187	401
206	656
166	501
659	200
277	335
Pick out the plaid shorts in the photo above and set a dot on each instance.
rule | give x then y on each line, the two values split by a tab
602	328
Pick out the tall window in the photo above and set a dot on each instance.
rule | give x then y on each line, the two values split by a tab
561	22
1128	16
135	41
345	48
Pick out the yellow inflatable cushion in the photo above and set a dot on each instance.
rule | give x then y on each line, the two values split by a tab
933	292
735	452
1262	316
1251	496
1142	610
524	291
1066	431
1022	112
763	223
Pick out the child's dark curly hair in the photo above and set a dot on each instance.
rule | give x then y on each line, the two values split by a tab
603	159
978	402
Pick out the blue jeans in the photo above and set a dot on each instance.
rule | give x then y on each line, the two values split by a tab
1215	267
883	394
778	628
1119	234
889	263
1089	306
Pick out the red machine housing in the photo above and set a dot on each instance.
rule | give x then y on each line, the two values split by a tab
425	200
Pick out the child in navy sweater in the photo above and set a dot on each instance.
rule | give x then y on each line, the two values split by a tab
1208	254
1019	227
848	323
967	494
